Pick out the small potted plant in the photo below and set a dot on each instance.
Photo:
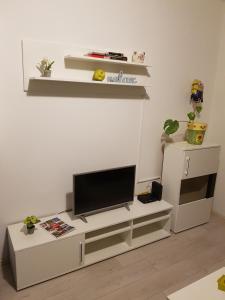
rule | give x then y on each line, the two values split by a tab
195	130
45	67
30	221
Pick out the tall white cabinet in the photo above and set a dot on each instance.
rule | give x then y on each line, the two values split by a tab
188	178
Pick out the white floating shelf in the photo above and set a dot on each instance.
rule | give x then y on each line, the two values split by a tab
105	60
72	65
86	81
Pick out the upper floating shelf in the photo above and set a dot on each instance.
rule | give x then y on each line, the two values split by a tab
107	61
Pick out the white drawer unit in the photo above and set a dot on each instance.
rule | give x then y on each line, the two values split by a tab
40	256
188	178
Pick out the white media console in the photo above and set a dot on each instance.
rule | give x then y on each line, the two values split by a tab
40	256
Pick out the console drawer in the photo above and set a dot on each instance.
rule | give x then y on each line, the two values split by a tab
39	263
200	162
193	214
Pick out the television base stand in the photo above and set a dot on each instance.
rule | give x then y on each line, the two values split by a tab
83	218
127	206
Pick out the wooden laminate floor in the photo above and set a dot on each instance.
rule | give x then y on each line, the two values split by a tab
150	272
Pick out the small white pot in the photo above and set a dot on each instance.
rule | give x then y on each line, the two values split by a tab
47	73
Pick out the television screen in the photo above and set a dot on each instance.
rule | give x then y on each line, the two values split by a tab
103	189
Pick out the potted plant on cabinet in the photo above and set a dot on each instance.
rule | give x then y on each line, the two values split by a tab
195	129
30	221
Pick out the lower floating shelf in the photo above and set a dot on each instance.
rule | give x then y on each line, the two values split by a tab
85	81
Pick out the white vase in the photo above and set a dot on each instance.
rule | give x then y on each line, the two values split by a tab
47	73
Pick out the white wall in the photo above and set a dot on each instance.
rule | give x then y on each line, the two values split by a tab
45	139
217	123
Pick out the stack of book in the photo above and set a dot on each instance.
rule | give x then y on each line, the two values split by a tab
107	55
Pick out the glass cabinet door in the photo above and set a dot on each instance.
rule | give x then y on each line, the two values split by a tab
197	188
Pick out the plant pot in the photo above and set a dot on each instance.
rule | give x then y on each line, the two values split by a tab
30	230
47	73
195	132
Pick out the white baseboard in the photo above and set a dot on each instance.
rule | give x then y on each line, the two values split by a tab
218	214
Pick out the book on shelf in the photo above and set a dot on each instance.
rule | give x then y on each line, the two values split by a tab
96	55
124	58
115	54
56	227
107	55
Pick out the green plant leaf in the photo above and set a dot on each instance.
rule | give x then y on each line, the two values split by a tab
49	66
170	126
30	220
191	116
27	220
198	108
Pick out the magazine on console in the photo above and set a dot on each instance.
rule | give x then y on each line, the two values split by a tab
56	227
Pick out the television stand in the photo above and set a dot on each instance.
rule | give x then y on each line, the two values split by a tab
83	218
40	256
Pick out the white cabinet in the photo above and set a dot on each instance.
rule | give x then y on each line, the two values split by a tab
40	256
188	178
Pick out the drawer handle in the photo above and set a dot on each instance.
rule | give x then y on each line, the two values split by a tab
81	252
187	166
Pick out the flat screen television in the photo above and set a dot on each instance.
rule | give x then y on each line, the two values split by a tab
104	189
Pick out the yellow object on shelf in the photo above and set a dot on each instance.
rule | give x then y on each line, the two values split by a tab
99	75
221	283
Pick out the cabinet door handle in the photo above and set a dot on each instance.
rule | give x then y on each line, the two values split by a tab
187	166
81	252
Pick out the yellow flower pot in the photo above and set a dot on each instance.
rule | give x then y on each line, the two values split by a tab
195	132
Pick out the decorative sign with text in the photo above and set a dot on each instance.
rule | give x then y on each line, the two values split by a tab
120	78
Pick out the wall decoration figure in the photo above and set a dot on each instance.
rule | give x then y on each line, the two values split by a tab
197	91
120	78
138	57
